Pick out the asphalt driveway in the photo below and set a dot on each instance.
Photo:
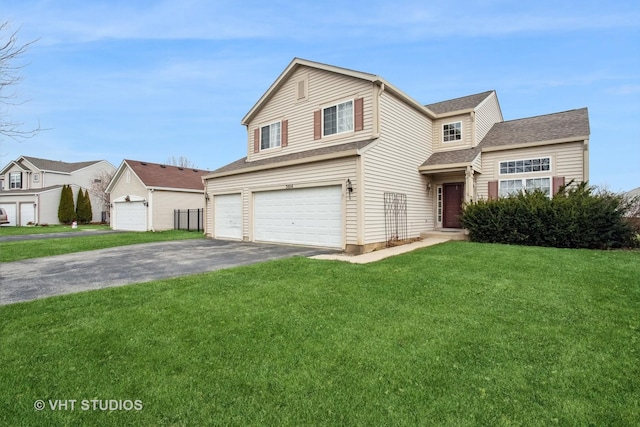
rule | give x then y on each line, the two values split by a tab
63	274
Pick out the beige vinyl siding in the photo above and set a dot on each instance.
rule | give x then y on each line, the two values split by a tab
467	136
487	114
324	88
331	172
48	203
392	164
164	203
122	188
566	160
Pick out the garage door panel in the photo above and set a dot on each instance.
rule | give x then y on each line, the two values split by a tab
11	210
306	216
27	213
131	216
228	216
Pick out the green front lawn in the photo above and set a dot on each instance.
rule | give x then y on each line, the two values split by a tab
15	251
455	334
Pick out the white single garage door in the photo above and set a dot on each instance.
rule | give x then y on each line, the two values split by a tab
10	209
228	216
27	213
130	216
306	216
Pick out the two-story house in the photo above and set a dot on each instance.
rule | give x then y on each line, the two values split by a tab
31	188
343	159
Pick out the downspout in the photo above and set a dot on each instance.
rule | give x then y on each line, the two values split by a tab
150	210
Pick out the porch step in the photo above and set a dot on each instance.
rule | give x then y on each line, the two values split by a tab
446	234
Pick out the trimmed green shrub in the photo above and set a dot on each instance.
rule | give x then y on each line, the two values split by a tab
83	207
66	209
577	217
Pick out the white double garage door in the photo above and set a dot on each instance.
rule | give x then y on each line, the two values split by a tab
27	212
304	216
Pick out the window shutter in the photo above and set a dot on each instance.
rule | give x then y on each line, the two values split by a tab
317	131
285	133
558	181
493	190
359	114
256	140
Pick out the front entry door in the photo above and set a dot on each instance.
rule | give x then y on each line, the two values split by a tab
453	197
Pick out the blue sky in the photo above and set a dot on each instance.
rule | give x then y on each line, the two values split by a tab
148	80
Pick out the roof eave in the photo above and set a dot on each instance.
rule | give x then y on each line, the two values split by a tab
294	162
581	138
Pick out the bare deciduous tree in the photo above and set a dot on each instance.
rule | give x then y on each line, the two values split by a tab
10	51
181	161
99	184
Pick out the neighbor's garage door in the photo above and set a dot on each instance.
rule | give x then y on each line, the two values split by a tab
27	213
10	209
228	216
130	216
305	216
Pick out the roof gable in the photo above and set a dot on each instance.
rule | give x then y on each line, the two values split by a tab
548	127
459	104
163	176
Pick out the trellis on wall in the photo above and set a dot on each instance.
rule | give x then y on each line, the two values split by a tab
395	217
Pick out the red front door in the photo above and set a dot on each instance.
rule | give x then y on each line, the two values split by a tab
453	197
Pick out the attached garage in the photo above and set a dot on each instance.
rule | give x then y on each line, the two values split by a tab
129	215
10	209
228	216
305	216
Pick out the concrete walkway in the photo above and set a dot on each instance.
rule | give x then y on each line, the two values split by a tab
382	253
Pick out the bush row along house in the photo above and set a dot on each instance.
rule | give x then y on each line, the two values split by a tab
344	159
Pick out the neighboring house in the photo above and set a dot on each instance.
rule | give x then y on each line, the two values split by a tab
31	188
343	159
144	195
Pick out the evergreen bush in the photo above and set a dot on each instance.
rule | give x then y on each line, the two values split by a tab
578	216
66	209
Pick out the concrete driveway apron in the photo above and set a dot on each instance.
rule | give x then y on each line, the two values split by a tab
63	274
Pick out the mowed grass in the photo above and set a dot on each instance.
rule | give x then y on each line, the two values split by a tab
456	334
15	251
21	231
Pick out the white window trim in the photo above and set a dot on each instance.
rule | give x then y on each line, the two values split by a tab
523	180
13	181
353	119
523	160
279	122
452	140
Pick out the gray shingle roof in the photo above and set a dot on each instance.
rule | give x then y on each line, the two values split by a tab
452	157
58	166
567	124
157	175
243	163
458	104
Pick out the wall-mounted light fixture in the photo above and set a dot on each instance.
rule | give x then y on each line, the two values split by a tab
145	203
429	187
349	187
127	199
206	196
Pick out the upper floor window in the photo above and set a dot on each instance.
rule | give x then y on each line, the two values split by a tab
452	132
337	118
270	136
15	180
528	165
36	177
